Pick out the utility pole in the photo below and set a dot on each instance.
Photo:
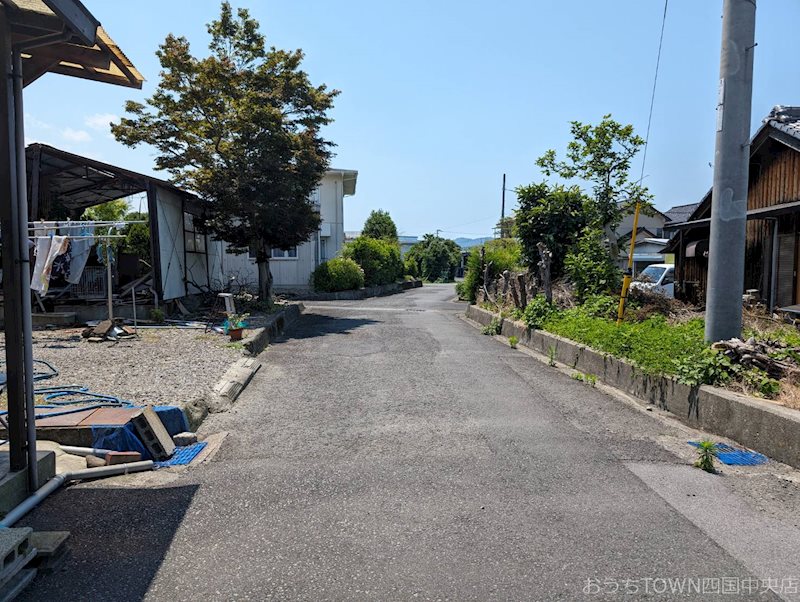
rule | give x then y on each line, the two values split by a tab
731	163
503	210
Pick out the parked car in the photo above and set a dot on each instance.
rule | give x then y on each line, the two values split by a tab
657	278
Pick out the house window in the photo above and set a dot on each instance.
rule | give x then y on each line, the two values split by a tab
314	196
194	241
284	253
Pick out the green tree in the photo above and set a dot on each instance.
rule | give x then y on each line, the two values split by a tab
380	225
111	211
137	237
242	128
554	216
589	267
601	155
434	258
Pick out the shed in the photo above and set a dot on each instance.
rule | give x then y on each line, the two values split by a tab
772	254
61	185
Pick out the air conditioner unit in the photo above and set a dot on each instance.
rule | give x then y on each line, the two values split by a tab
325	229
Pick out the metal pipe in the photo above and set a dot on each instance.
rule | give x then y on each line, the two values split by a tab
25	272
84	451
57	481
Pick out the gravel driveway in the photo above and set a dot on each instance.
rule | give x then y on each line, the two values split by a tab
163	366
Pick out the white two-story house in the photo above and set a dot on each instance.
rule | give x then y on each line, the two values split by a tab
291	268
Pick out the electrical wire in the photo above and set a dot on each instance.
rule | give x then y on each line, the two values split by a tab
653	93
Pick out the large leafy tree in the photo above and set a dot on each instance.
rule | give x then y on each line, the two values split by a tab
601	155
554	216
242	128
380	225
435	258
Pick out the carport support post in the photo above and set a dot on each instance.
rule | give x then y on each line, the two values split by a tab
25	273
731	163
15	384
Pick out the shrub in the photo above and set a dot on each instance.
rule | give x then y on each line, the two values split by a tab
601	306
379	259
513	341
338	274
709	367
589	266
706	452
538	312
411	268
493	327
503	253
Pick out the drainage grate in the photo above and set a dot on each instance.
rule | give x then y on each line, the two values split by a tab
733	456
183	455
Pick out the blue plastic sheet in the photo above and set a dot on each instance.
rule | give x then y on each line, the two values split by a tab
124	438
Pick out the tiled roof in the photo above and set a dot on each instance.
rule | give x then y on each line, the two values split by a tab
680	213
786	119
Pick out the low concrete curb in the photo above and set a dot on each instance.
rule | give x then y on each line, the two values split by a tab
236	379
760	425
259	338
364	293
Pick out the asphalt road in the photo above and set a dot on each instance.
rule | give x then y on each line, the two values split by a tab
388	450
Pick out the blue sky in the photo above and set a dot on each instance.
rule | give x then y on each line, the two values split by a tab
440	98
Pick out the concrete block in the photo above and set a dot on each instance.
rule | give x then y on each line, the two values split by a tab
14	485
122	457
153	434
14	587
15	551
51	550
184	439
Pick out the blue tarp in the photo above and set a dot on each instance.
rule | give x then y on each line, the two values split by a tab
124	438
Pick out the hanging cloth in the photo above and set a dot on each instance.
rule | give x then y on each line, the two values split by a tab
41	250
80	249
58	246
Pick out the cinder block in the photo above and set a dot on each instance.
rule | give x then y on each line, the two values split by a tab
51	550
16	550
14	587
122	457
153	434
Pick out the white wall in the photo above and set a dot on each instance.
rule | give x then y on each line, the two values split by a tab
645	221
295	273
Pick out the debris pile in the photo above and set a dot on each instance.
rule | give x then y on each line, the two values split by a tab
107	330
773	357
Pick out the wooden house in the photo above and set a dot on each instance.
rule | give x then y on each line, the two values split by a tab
772	256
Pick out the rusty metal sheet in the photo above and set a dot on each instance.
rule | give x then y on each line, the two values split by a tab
110	416
73	419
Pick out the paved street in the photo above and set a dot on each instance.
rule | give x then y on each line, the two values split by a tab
388	450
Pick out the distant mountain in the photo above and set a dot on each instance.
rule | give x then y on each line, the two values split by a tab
466	243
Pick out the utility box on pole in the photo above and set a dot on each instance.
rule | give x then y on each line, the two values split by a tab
731	164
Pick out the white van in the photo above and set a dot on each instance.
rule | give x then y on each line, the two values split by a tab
657	278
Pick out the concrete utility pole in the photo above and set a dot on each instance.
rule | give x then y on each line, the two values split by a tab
731	164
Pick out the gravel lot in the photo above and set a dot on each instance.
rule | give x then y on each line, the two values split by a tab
163	366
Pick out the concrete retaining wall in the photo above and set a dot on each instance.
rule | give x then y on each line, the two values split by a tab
364	293
277	323
760	425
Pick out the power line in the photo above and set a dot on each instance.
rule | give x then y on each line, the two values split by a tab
653	93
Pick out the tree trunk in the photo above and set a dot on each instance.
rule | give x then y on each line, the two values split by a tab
545	259
264	273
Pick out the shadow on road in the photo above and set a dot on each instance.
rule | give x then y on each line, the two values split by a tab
119	537
313	325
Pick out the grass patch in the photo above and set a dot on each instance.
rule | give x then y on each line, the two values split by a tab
654	345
